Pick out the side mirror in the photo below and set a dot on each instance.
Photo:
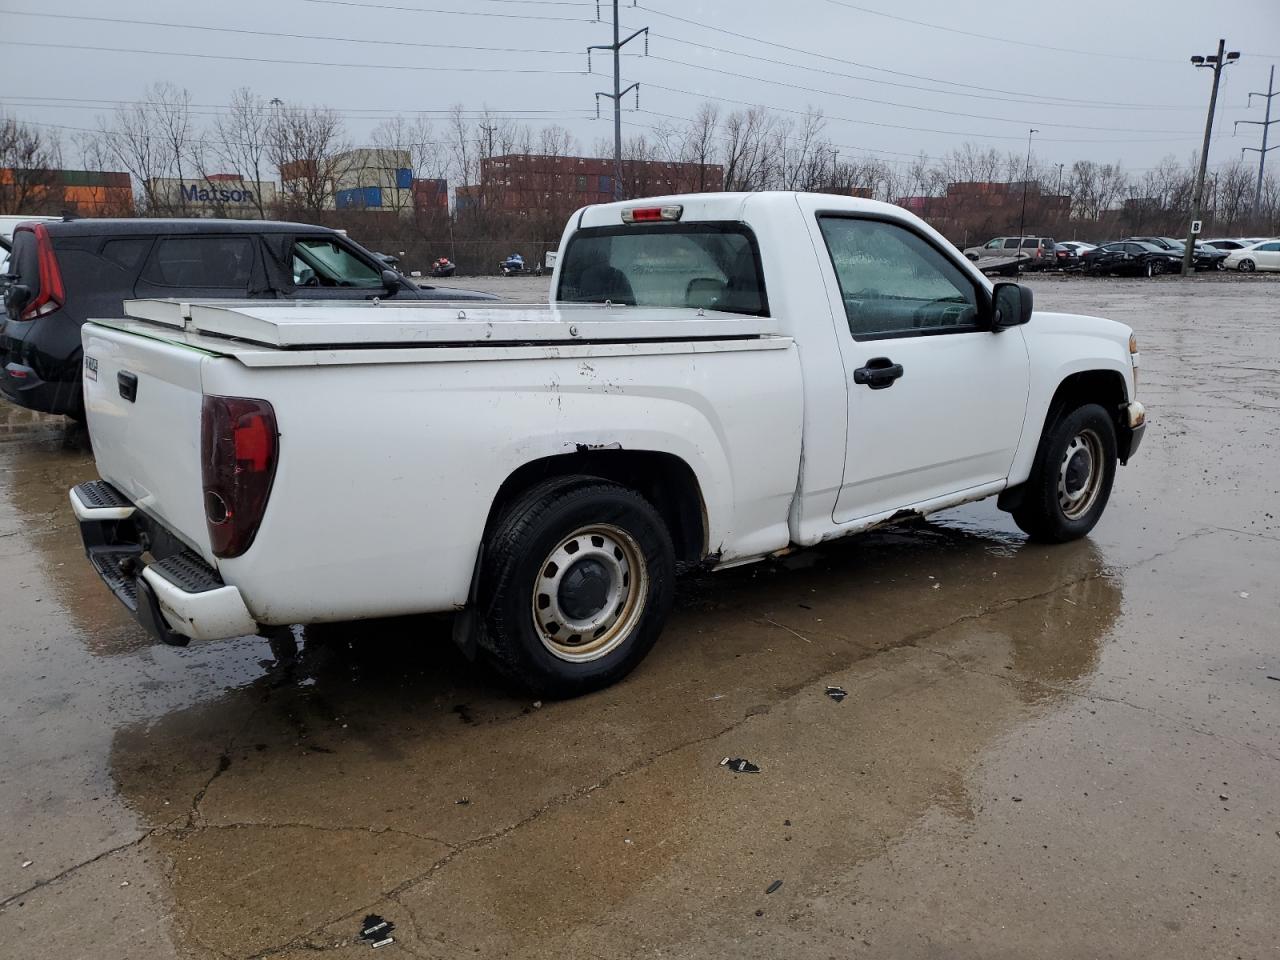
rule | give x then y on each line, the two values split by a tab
391	280
1011	305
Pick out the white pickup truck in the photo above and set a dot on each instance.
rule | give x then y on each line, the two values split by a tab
718	378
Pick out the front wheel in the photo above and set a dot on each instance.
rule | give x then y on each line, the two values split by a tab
1246	266
1071	478
576	584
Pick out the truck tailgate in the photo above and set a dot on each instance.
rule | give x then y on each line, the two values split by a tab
143	400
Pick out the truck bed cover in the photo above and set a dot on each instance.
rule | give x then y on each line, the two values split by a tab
310	324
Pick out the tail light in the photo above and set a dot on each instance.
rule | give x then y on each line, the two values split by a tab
239	446
51	294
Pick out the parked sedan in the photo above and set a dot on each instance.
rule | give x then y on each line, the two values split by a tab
1205	258
1260	256
1131	258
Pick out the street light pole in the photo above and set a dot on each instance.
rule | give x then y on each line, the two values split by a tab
1215	62
1026	175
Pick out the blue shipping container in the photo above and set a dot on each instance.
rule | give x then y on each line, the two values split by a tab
404	179
373	197
347	199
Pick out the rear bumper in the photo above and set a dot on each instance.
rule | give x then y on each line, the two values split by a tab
172	592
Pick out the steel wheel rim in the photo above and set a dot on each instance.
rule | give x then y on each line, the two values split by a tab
1080	474
1246	266
589	593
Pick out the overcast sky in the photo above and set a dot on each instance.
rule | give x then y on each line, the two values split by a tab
983	71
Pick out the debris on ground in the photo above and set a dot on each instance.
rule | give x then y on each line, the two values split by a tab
837	693
718	696
1269	677
739	765
27	863
377	931
1244	595
759	913
1016	799
462	801
773	886
1223	796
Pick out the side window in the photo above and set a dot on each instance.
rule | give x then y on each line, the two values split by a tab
324	262
993	245
894	283
201	262
1011	243
1270	247
125	254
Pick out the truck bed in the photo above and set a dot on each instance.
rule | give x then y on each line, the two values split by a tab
309	324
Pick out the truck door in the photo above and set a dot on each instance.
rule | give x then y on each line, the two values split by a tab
935	399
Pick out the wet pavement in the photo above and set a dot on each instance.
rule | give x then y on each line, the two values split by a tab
1044	752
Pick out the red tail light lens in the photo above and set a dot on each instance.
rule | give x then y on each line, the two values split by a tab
239	446
51	294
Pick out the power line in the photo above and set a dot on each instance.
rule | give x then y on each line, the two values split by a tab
808	53
456	13
892	126
907	106
1048	101
89	103
987	36
294	63
205	28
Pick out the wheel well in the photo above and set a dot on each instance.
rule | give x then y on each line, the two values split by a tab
1105	387
663	479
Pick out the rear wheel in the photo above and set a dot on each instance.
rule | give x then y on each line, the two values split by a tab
1246	266
577	583
1071	479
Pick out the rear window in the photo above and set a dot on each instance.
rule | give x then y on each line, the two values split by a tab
202	262
712	265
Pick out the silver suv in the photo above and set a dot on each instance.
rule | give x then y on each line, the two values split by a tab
1037	251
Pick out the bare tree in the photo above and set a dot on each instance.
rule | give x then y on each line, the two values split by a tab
28	159
307	145
746	156
243	142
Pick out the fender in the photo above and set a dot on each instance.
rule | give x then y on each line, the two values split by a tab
1088	344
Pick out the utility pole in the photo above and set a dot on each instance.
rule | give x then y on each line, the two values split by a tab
1026	175
1266	128
1215	62
1060	166
618	92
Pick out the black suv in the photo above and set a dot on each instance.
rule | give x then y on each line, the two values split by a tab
63	273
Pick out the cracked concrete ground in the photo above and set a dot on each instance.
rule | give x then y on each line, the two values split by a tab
1045	752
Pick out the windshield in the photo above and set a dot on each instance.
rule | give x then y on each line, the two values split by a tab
713	265
322	262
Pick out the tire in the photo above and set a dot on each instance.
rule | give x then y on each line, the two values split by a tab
1246	266
1060	502
559	626
1158	268
1149	270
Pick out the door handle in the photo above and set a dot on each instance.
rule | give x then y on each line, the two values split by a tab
128	384
880	372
